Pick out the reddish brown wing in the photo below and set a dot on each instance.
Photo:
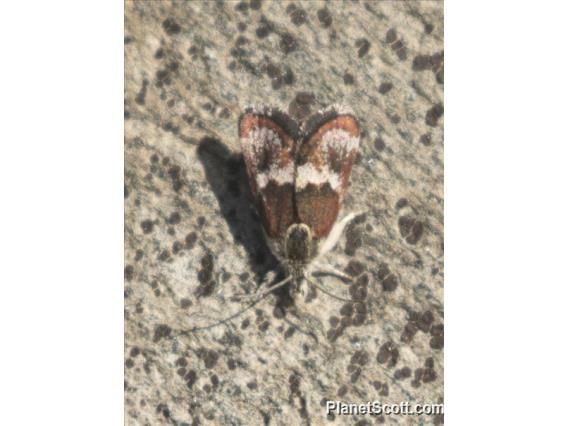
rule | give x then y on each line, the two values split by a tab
268	143
323	167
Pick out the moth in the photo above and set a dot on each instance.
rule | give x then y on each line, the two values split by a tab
298	176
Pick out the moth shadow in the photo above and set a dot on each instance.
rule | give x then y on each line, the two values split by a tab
226	174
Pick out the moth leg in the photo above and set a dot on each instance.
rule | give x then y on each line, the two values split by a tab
335	233
323	290
330	270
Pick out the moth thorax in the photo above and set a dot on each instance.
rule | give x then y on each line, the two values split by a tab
298	243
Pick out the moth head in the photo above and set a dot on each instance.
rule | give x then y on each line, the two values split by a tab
298	243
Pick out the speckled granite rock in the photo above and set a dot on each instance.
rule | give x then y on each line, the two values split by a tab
193	239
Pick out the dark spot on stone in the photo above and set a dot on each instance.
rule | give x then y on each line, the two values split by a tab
154	158
190	378
289	332
429	363
241	26
128	39
173	66
201	221
348	78
177	246
342	391
305	98
175	175
385	87
355	376
388	280
400	49
394	118
299	109
391	35
163	410
360	357
289	77
428	28
363	45
388	353
324	17
161	331
262	31
288	43
429	375
252	385
422	62
440	76
437	340
379	144
174	218
185	303
297	15
134	352
434	114
403	373
141	95
181	362
255	4
205	276
426	139
214	380
410	229
147	226
129	363
264	326
346	310
210	358
333	321
171	27
409	332
231	364
225	113
294	382
334	333
354	268
245	324
190	240
128	272
425	321
402	202
353	239
242	7
159	53
187	118
164	255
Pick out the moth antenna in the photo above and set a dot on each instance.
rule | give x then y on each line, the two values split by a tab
329	293
260	297
223	321
268	290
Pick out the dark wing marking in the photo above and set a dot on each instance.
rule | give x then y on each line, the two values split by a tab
268	141
323	166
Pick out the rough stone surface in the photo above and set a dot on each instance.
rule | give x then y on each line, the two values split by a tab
192	237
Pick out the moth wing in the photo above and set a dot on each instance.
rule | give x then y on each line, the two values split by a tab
323	166
268	142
